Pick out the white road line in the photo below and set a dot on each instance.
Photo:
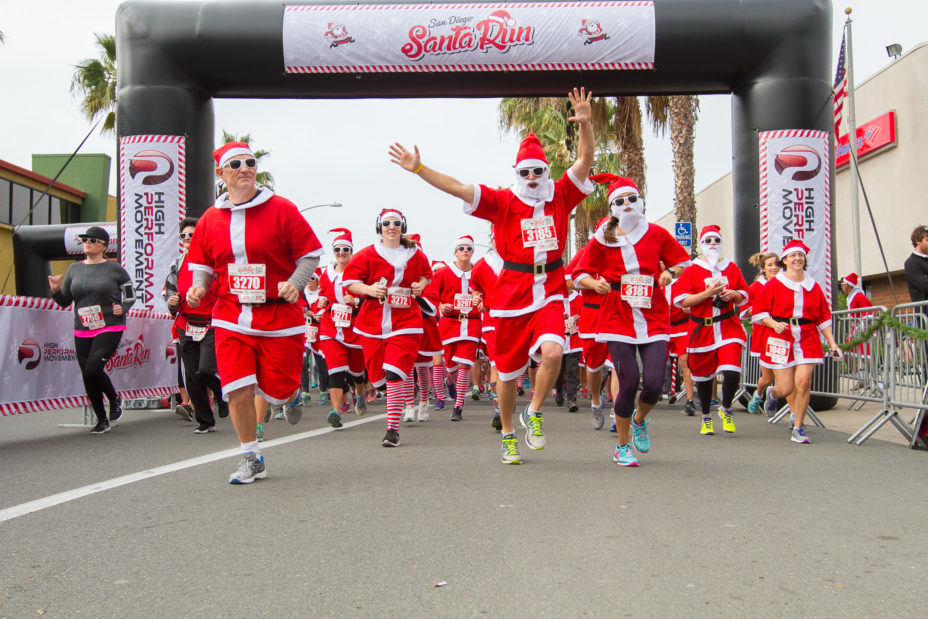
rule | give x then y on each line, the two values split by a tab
63	497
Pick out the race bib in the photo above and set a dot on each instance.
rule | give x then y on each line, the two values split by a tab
463	303
197	333
637	290
778	350
709	281
312	332
399	297
341	315
248	282
572	325
91	317
539	233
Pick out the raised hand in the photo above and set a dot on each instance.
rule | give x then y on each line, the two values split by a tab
580	99
403	158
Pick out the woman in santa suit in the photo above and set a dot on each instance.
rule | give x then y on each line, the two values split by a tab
623	262
767	265
482	281
391	274
713	288
339	343
429	351
795	310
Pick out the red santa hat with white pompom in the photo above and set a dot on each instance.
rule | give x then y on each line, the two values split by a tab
343	238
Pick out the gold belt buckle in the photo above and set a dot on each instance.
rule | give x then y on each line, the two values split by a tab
794	322
707	322
539	268
462	317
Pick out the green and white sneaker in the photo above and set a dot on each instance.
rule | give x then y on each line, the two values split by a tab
534	434
510	447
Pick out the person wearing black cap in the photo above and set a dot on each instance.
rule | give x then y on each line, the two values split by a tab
102	294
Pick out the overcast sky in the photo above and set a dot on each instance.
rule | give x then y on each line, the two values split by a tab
336	151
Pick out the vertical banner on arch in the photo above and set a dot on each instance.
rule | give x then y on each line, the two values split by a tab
795	196
152	177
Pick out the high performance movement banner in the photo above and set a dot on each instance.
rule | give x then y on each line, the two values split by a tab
795	197
152	176
38	367
525	36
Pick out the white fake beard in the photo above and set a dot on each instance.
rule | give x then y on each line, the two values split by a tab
543	189
712	254
632	219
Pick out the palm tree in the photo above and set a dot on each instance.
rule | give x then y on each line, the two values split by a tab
263	177
684	110
95	80
2	38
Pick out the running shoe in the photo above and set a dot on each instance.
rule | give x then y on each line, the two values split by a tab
360	405
612	427
510	450
391	439
559	399
771	403
334	419
409	414
585	393
707	429
714	402
491	395
452	390
324	397
259	432
496	423
440	405
370	395
798	435
279	414
754	404
184	411
572	407
315	385
457	413
520	391
116	409
640	435
268	413
102	427
223	408
475	393
423	413
534	434
293	413
728	420
249	469
623	456
346	406
204	429
599	418
307	397
689	409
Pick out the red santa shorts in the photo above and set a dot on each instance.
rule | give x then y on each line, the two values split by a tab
462	352
396	353
595	354
524	335
705	365
341	358
676	347
272	364
488	342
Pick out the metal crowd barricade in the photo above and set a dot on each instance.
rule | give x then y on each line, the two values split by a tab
906	376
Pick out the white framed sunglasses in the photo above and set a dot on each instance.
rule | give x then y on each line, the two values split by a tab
235	164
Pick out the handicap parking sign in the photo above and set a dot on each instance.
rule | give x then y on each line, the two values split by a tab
683	231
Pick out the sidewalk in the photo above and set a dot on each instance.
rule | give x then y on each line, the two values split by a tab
840	419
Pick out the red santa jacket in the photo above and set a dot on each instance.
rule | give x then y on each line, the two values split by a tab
713	331
458	324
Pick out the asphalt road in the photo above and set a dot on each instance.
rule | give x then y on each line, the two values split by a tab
742	525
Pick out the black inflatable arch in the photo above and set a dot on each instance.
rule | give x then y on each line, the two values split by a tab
772	55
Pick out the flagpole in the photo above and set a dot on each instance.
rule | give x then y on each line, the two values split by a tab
852	144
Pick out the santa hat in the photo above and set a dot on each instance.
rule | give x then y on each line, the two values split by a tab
794	246
710	231
465	239
390	212
317	274
437	264
531	153
229	150
851	280
343	238
415	238
617	184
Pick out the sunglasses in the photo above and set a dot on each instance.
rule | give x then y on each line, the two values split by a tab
524	172
621	201
712	241
235	164
341	250
184	236
396	223
464	248
87	239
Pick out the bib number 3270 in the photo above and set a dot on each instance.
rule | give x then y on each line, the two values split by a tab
248	282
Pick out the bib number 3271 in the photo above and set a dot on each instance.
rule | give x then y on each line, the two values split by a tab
248	282
539	233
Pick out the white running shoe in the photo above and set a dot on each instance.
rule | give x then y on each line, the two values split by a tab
409	414
423	411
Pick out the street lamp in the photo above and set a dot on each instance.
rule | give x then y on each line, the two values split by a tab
332	204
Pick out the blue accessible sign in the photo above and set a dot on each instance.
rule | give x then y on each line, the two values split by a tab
683	231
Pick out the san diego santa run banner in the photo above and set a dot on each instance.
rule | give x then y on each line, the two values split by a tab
152	201
795	197
525	36
38	367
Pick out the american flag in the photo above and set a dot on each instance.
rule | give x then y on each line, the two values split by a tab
840	88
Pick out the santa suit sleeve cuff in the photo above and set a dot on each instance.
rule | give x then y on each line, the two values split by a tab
200	267
758	318
316	253
678	300
579	277
744	297
824	325
470	208
586	186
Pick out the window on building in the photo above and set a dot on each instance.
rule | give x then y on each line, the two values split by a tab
6	187
21	202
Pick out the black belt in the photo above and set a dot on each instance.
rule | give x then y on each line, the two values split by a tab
458	317
708	320
793	322
196	323
537	268
591	305
682	321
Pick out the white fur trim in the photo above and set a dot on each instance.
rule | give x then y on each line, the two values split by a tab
235	152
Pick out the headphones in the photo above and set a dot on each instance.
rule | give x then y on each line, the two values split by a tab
378	226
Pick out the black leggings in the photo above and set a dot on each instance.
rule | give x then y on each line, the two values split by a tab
92	355
653	356
706	388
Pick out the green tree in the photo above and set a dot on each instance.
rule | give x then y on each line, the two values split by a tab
95	81
263	177
684	111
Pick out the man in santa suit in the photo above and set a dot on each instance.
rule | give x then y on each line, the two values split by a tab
530	227
713	288
850	286
460	319
262	252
